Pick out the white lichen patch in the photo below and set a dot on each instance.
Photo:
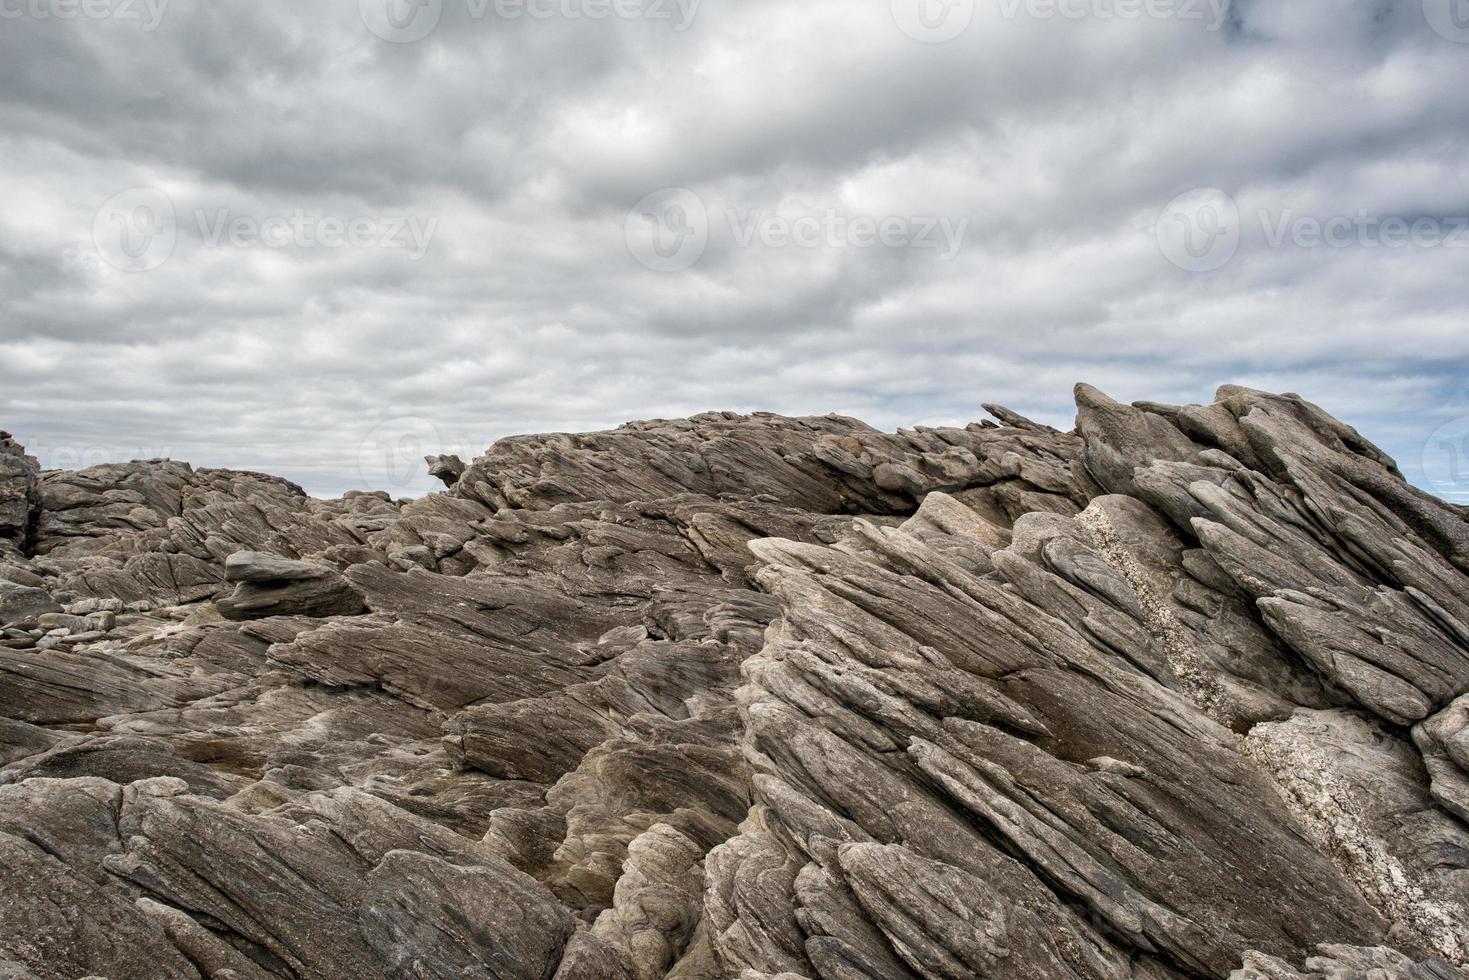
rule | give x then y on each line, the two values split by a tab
1200	685
1327	807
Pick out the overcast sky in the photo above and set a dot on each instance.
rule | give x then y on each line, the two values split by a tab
312	238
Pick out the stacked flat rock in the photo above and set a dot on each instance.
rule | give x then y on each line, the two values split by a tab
1182	693
269	585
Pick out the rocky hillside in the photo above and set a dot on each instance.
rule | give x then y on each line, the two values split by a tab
1181	693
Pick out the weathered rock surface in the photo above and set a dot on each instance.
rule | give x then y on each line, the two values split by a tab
1182	693
19	497
269	585
1347	963
446	468
24	603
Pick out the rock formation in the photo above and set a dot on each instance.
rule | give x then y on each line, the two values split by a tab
1183	693
19	497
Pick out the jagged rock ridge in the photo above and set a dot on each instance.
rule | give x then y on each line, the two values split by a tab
1181	693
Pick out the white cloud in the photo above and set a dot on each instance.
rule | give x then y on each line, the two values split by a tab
527	142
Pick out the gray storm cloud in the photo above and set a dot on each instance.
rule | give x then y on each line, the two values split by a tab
314	239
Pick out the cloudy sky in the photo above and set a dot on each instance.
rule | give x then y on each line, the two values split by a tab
312	238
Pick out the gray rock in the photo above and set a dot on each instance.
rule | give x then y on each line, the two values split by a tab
24	603
1348	963
269	585
446	468
19	498
1179	694
255	566
1444	742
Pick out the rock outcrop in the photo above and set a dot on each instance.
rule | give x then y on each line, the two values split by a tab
1183	693
19	497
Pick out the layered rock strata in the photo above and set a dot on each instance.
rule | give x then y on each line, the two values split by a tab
1181	693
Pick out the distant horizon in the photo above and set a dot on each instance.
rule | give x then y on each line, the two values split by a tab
416	432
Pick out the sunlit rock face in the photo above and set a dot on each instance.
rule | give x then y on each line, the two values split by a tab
1181	693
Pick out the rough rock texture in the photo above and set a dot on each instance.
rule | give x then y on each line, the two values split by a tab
269	585
19	497
446	468
1346	963
1182	693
